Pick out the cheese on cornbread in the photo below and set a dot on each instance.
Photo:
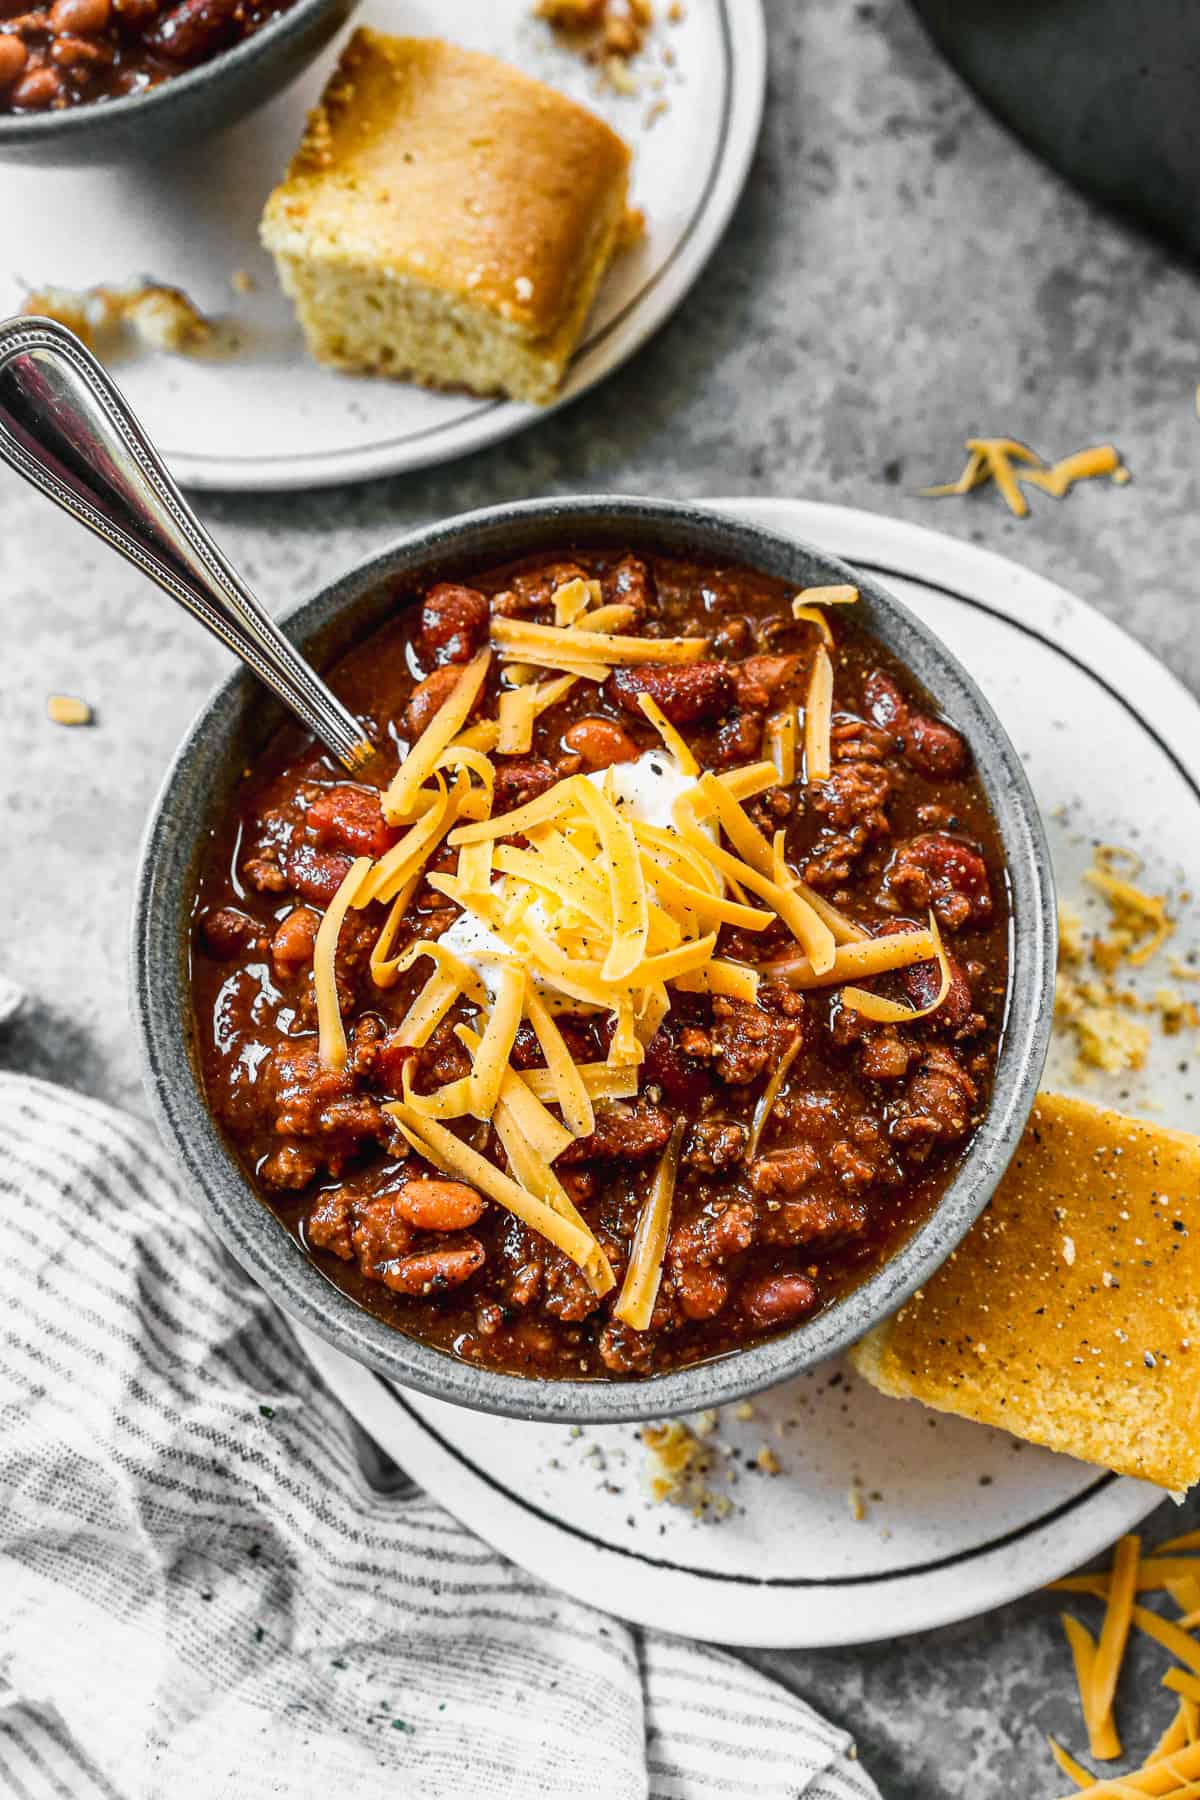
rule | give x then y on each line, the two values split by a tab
446	219
1070	1313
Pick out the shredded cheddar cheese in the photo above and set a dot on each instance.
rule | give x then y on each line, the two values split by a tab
818	717
1172	1768
1009	463
572	902
643	1277
331	1035
893	1012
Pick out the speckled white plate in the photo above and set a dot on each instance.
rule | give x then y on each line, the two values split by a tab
957	1518
263	415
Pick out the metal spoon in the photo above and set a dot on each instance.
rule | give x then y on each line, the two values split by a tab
67	428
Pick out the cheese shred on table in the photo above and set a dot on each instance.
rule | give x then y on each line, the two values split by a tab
1172	1769
1009	463
574	904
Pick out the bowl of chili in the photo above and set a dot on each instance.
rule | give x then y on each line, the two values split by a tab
817	1057
90	81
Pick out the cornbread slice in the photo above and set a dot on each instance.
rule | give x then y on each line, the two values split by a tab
1070	1314
446	218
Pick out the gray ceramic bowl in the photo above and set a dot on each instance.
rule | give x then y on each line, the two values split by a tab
233	726
183	109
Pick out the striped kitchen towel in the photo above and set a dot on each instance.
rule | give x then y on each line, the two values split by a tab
201	1594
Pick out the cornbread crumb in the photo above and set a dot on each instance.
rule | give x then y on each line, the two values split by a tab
165	319
767	1460
1106	1019
743	1410
67	709
162	317
610	28
680	1464
856	1503
242	282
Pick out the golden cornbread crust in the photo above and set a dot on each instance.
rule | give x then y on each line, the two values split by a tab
1070	1314
447	218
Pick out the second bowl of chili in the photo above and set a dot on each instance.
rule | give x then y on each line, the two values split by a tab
774	1155
89	81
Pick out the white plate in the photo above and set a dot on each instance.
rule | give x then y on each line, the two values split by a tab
268	417
958	1518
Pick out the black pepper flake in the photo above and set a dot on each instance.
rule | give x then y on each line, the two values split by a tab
403	1725
267	1412
1149	1360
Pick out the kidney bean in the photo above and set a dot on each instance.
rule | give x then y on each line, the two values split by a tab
36	90
773	1300
454	622
315	874
13	57
292	945
517	783
884	702
82	18
428	696
687	694
439	1205
933	747
600	742
433	1271
197	29
350	818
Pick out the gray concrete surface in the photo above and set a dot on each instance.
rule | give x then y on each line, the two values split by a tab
899	274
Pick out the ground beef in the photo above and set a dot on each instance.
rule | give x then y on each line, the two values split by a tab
630	1131
742	1041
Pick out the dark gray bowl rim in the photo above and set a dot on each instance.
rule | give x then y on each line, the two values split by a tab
163	904
78	121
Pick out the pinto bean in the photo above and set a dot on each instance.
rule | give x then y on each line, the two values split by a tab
433	1271
773	1300
433	1205
13	57
292	945
687	693
79	54
197	29
454	622
600	742
37	89
85	18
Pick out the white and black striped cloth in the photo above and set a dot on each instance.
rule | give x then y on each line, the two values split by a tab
201	1594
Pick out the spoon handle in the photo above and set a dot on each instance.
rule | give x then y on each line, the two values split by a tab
67	428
